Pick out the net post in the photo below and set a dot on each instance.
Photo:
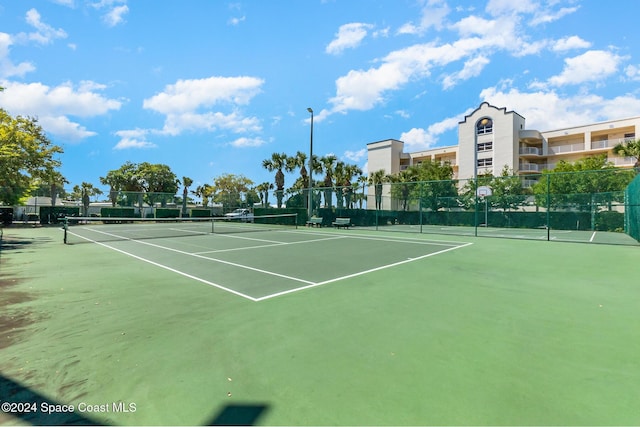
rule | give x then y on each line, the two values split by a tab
65	224
296	221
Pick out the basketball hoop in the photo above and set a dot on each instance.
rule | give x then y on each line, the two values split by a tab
484	191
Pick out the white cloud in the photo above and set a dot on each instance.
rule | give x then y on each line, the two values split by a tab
349	36
355	156
509	7
632	72
135	138
115	11
248	142
44	34
115	16
65	99
569	43
548	110
68	3
237	21
547	16
53	105
472	68
433	15
176	124
418	139
64	129
189	95
7	67
592	65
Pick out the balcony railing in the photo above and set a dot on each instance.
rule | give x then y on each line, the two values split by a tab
559	149
532	167
530	150
607	143
623	161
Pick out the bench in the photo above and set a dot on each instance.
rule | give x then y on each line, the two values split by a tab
342	222
314	221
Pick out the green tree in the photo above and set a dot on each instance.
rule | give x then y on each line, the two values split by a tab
507	191
263	191
362	184
159	183
436	188
186	183
301	185
26	154
377	180
583	185
83	193
403	185
228	189
205	192
630	148
276	163
125	179
327	164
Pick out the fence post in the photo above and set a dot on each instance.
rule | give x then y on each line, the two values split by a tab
548	207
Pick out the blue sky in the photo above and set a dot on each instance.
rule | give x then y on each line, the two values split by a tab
212	87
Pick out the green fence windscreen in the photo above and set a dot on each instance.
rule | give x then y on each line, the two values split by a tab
632	211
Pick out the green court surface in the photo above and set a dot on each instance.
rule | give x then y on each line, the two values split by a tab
318	327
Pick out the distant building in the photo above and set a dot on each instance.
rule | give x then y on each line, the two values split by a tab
491	138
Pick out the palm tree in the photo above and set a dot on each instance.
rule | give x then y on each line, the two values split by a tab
405	182
56	183
263	190
205	192
629	148
349	171
339	174
186	182
277	163
327	164
298	161
362	182
376	179
84	193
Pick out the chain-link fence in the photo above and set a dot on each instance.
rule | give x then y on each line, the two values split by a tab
632	212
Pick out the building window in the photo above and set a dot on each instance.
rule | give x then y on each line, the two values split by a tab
483	163
485	146
484	126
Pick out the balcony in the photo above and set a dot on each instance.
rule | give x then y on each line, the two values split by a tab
569	148
530	151
608	143
532	167
530	136
623	161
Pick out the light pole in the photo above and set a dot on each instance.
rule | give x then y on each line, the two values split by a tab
310	188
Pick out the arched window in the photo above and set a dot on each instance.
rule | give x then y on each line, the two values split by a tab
484	126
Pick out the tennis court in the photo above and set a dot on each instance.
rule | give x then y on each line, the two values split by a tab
257	260
306	326
541	233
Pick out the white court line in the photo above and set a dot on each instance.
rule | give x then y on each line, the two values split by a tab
284	276
592	237
360	273
384	239
173	270
268	246
309	283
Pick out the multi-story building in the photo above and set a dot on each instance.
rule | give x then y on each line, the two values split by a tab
491	138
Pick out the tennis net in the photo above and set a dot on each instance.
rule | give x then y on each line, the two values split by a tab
96	229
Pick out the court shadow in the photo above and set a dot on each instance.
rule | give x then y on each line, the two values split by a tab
13	392
239	415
